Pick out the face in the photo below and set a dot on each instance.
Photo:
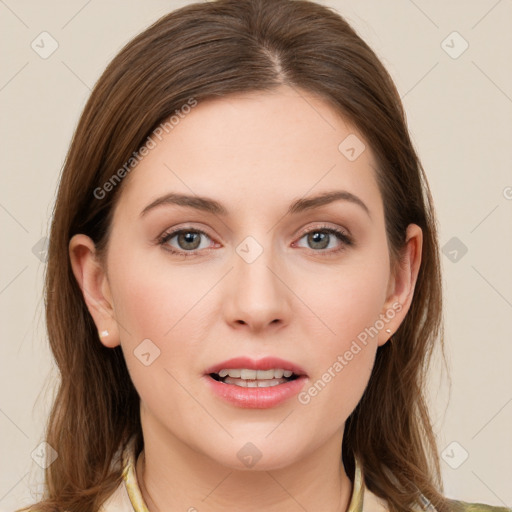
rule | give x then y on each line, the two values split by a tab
249	266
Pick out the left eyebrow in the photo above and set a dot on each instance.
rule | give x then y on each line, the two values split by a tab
309	203
211	206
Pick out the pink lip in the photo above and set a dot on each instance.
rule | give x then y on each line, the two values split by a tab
267	363
256	398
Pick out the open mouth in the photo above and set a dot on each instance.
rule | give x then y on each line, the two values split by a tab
248	383
247	378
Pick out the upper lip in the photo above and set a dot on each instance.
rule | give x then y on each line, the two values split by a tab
266	363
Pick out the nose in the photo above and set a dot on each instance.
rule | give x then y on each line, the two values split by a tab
256	296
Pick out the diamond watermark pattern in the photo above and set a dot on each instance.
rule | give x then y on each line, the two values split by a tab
454	249
40	249
454	455
454	45
44	45
249	454
147	352
249	249
351	147
44	455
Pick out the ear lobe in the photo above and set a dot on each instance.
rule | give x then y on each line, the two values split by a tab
402	282
92	280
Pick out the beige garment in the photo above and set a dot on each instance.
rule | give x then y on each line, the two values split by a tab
128	497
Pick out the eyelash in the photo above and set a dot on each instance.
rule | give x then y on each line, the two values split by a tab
342	236
167	236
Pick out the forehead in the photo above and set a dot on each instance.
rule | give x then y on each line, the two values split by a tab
256	150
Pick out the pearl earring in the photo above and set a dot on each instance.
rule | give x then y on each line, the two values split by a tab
104	334
388	331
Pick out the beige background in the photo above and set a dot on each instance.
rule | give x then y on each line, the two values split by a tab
460	115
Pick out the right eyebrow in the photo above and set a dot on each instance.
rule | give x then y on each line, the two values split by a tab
199	203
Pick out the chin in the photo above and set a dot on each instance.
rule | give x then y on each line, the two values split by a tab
256	455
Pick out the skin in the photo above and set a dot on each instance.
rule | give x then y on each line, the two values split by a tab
255	154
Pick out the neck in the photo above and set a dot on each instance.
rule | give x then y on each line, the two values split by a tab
174	477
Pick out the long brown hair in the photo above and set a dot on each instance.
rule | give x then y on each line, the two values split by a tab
208	50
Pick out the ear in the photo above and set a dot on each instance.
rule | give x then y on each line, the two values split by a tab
92	279
402	283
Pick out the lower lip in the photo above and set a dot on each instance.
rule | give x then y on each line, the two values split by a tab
256	398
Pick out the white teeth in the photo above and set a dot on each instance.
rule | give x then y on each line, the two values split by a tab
265	374
268	383
254	383
246	374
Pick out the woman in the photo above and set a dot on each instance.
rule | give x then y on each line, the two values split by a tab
243	286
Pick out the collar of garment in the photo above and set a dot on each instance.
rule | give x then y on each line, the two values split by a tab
128	496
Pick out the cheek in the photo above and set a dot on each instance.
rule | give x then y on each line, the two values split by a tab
158	310
343	363
154	300
345	300
348	307
164	313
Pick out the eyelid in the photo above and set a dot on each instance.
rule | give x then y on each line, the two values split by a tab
171	233
323	226
342	234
